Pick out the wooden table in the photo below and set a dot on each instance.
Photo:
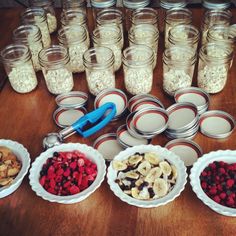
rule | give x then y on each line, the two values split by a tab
27	118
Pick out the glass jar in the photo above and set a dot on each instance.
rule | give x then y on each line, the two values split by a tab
145	34
80	5
138	69
110	37
213	66
99	5
167	5
37	16
178	68
132	5
145	16
30	35
99	67
184	35
110	17
216	4
214	17
47	5
74	16
55	66
74	37
19	68
176	16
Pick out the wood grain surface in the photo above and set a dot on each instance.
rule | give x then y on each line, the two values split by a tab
27	118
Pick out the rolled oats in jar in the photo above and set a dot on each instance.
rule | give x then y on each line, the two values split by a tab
30	35
74	37
178	68
47	5
37	16
80	5
145	34
55	66
138	69
99	67
19	68
214	63
110	37
176	16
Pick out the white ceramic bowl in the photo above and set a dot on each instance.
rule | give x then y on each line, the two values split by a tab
24	157
163	153
226	156
90	153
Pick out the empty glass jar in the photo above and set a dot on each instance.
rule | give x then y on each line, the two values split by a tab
74	37
19	68
56	69
110	37
30	35
214	63
99	67
37	16
178	68
47	5
80	5
138	69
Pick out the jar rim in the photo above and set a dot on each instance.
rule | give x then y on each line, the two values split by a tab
143	28
173	12
216	4
168	4
41	3
224	30
70	14
101	16
139	14
29	14
227	14
102	3
135	4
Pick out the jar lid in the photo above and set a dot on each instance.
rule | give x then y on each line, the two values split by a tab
103	3
134	4
187	150
168	4
216	124
216	4
108	146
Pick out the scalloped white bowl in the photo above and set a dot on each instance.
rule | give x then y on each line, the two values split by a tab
90	153
22	155
163	153
226	156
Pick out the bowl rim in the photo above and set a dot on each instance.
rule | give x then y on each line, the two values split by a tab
40	160
195	172
168	155
25	164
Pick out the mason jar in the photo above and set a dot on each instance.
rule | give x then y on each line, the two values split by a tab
132	5
47	5
184	35
99	5
216	4
214	17
56	70
37	16
30	35
145	15
80	5
74	38
110	37
17	62
138	69
111	17
145	34
176	16
167	5
74	16
99	67
178	68
213	66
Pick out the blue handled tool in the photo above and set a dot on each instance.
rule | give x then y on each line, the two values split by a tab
100	117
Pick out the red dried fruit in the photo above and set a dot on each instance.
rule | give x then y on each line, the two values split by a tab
81	162
51	170
52	183
66	184
219	187
230	183
204	173
74	189
213	191
66	172
204	185
223	195
216	199
230	201
60	172
222	170
212	166
75	174
69	155
73	165
42	180
89	170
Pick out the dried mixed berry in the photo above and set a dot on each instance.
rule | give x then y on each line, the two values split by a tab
218	181
67	173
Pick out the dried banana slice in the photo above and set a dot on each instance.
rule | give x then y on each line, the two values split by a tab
152	158
144	168
10	156
160	187
144	194
132	175
4	152
174	172
119	165
3	167
135	193
12	172
135	159
165	167
153	174
5	181
139	182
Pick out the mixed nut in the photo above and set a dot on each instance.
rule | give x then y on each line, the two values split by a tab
145	176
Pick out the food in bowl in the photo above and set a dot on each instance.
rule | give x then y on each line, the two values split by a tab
145	176
10	166
67	173
218	181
